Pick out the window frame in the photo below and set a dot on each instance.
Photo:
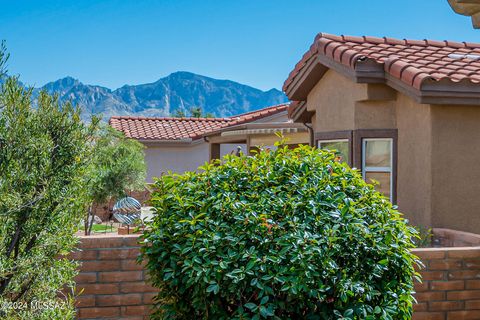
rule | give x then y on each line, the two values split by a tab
336	140
360	134
389	169
355	138
336	136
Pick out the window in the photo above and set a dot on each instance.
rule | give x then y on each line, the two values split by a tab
342	147
377	163
372	151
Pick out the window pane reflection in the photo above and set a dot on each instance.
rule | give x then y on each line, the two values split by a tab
341	146
378	153
383	178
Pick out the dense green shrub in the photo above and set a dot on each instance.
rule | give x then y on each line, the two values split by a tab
285	234
44	153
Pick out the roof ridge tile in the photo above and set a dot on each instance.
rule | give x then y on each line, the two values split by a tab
394	41
332	37
455	44
375	40
412	42
436	43
353	39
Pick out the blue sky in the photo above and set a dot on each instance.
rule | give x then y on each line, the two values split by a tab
113	42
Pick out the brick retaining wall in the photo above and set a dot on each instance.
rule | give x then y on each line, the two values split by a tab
451	284
114	285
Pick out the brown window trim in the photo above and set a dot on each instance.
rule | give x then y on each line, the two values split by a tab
337	135
359	135
355	138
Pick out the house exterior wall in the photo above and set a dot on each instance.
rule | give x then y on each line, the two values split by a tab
455	170
178	159
438	146
334	108
413	122
375	114
340	104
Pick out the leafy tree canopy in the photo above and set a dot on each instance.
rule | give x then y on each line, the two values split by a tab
118	165
44	155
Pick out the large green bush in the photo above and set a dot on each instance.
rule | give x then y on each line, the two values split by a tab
285	234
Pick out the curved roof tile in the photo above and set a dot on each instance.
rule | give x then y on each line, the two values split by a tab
175	129
411	61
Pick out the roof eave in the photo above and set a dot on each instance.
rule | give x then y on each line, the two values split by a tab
298	90
439	92
305	80
301	114
467	8
165	143
368	71
258	125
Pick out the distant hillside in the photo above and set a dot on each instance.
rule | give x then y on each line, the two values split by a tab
178	91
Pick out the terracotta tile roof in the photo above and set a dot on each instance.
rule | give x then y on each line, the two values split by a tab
413	62
169	128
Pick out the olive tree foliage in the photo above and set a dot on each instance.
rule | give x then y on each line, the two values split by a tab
44	155
284	234
195	112
118	165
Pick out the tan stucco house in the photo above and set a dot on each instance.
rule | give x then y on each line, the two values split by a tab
405	113
184	144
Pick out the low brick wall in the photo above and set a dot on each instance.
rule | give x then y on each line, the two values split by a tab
451	284
454	238
114	285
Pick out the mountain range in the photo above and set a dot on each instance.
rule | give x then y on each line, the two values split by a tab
177	92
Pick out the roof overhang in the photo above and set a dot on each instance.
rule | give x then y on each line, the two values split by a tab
170	143
261	131
299	113
259	128
469	8
369	71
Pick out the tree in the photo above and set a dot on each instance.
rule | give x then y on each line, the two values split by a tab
179	113
44	154
197	112
118	165
284	234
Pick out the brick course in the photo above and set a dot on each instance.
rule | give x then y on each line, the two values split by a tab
111	283
451	284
